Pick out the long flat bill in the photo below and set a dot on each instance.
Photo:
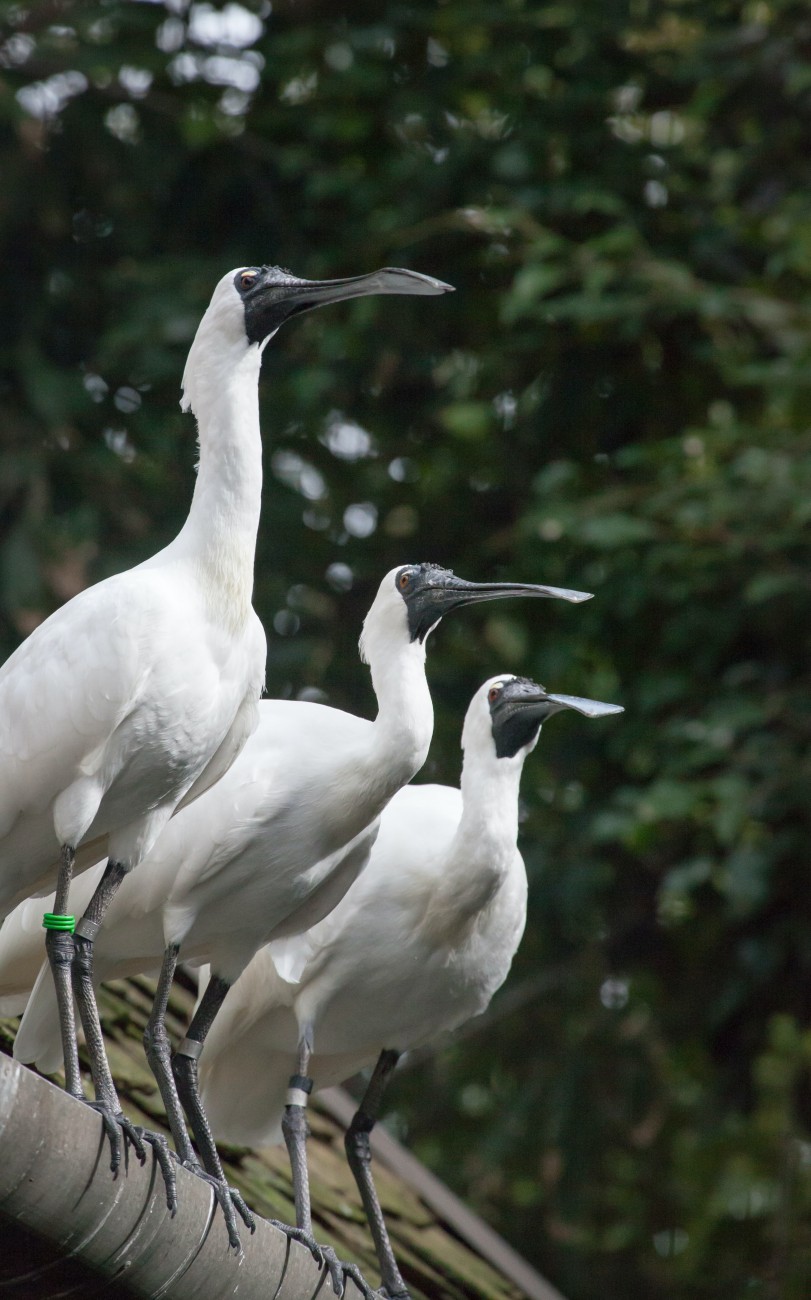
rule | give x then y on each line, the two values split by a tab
589	708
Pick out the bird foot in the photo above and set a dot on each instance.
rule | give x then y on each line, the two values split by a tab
399	1294
299	1234
229	1200
116	1124
166	1161
339	1272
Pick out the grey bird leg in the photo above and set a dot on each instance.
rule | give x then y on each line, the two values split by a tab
107	1102
359	1155
158	1055
59	947
296	1131
184	1069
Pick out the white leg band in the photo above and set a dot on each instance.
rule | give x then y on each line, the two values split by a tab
297	1097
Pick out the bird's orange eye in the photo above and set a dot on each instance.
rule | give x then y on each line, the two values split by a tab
493	694
247	279
404	579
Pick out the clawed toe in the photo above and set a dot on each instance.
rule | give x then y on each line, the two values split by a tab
166	1160
115	1123
339	1272
326	1257
227	1203
228	1199
298	1234
132	1133
242	1209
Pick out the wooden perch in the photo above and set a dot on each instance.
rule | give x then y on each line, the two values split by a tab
55	1183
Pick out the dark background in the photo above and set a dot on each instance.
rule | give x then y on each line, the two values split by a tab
616	398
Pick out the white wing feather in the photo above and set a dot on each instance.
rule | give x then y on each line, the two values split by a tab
372	974
108	707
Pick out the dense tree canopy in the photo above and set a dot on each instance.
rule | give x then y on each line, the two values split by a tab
617	398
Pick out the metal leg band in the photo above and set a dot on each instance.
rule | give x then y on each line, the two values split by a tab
87	929
189	1047
299	1089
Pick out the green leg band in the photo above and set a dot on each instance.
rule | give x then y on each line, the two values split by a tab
53	921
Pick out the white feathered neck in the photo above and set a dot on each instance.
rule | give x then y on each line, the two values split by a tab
221	387
405	717
483	850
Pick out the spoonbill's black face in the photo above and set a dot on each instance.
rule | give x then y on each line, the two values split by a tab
518	709
430	592
271	295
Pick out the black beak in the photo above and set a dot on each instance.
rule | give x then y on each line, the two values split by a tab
522	707
278	295
432	600
459	592
307	294
589	708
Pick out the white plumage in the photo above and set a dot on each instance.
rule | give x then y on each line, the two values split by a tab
394	965
142	689
138	694
244	864
272	848
419	944
116	705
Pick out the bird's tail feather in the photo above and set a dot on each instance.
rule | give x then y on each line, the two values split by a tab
22	948
244	1083
243	1091
14	1005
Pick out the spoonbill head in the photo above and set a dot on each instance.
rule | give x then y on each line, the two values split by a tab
250	303
413	598
512	710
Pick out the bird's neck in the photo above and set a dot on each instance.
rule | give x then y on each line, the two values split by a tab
402	730
484	846
220	532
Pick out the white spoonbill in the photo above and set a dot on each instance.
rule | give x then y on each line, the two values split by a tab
141	691
419	944
272	848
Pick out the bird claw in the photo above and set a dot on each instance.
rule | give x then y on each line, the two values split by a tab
166	1160
242	1209
339	1272
115	1123
228	1199
298	1234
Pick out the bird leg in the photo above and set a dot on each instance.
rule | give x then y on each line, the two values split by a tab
184	1069
158	1055
106	1102
296	1131
59	947
359	1155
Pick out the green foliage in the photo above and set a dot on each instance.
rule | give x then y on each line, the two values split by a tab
616	398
